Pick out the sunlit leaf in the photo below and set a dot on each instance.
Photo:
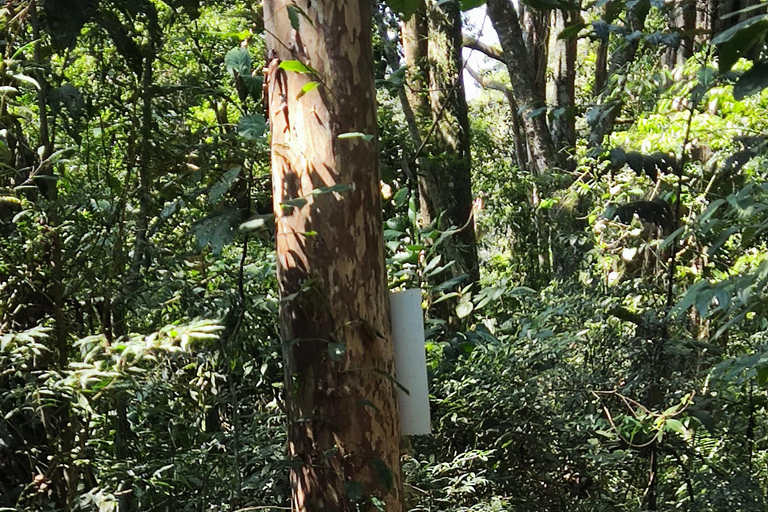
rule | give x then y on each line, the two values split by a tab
356	135
309	86
296	66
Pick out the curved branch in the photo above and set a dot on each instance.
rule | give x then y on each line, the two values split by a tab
469	41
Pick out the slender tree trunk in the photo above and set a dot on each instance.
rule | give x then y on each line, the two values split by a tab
527	92
334	319
682	19
448	176
563	59
414	35
415	41
536	36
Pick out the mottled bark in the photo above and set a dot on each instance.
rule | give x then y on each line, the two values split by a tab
448	174
601	68
414	35
536	36
563	89
528	94
343	420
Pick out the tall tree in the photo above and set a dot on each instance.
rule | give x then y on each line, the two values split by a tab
448	176
562	57
528	89
343	420
431	40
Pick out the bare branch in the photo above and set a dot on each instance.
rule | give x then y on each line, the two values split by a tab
493	52
486	83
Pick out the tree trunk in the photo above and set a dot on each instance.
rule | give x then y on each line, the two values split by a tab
563	90
334	318
448	176
414	35
528	94
683	20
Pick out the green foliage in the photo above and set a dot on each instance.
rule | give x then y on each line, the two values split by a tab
140	365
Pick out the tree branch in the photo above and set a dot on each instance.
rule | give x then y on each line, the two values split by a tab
469	41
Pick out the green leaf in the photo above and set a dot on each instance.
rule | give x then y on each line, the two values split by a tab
522	291
752	82
380	505
307	87
737	40
404	7
674	425
571	31
254	85
356	135
385	474
467	5
354	490
251	127
293	15
464	308
691	296
297	202
338	188
536	112
238	60
703	301
445	296
223	184
296	66
401	196
762	376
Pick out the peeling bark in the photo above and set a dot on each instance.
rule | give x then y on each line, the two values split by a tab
343	419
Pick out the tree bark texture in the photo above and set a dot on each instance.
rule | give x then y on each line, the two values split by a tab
414	36
448	176
529	97
682	18
563	63
343	427
536	36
